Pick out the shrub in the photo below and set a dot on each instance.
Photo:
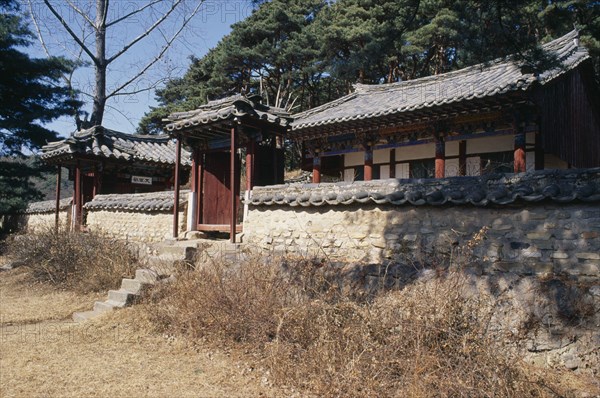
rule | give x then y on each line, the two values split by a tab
81	261
425	340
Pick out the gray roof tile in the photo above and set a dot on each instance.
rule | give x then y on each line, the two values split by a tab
47	206
478	81
497	189
101	142
161	201
226	108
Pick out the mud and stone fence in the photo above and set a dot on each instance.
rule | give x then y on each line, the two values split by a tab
536	223
143	217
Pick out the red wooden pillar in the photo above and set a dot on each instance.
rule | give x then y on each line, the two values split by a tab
57	206
520	161
176	186
232	187
393	163
78	197
316	177
440	157
200	186
250	165
368	163
462	158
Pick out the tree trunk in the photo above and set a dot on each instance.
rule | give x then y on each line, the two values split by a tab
100	88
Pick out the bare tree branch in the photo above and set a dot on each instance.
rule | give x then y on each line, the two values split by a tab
159	56
126	117
105	15
70	31
83	14
141	90
124	17
146	33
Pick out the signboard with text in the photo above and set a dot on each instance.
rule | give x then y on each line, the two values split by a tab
141	180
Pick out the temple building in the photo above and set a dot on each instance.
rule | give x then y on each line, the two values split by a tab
218	133
103	161
495	117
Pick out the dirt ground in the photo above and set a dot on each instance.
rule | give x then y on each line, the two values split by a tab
43	353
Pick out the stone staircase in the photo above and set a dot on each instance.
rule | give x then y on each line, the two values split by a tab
159	268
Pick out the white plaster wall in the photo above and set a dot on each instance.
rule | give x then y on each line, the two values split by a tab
491	144
413	152
354	159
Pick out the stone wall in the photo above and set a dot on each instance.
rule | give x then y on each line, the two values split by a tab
137	226
41	221
533	239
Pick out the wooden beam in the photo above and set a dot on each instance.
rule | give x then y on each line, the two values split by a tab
440	157
316	175
250	149
200	173
233	218
176	193
393	163
520	163
57	206
219	228
539	151
462	158
368	163
78	198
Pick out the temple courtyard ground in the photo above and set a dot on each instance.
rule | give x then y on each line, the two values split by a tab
44	353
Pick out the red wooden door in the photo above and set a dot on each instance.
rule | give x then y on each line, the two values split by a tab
217	193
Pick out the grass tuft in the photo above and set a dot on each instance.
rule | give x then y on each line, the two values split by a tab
84	262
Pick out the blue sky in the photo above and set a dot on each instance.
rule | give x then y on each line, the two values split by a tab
123	113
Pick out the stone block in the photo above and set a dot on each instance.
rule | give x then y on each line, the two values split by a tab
409	238
590	235
588	256
539	235
559	255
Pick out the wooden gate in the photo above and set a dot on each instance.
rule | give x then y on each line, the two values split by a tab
216	202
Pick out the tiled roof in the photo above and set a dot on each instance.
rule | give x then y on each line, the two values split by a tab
47	206
230	107
104	143
478	81
161	201
554	185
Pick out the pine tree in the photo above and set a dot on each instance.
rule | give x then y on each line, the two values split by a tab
30	95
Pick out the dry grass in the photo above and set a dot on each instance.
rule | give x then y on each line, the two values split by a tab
80	261
24	300
427	340
115	355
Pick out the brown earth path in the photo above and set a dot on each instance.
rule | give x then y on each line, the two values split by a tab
43	353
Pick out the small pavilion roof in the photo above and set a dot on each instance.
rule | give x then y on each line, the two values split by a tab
481	81
210	120
101	143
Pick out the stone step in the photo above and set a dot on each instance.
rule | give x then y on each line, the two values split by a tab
132	285
121	296
161	266
145	275
177	251
105	306
84	316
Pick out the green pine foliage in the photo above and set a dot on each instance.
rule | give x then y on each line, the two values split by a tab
30	96
302	53
30	89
